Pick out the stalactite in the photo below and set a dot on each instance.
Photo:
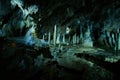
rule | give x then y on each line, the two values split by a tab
19	3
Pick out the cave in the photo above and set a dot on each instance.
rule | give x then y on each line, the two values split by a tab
59	39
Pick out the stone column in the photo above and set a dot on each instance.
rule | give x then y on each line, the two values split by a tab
54	35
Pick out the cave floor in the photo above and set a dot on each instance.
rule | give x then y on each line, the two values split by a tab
74	60
73	56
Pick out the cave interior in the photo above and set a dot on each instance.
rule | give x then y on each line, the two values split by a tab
60	39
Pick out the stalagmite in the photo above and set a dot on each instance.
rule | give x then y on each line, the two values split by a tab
49	38
87	42
29	37
58	39
81	35
63	39
119	42
54	35
78	39
74	39
43	37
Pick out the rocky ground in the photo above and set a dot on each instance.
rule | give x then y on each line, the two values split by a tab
75	62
